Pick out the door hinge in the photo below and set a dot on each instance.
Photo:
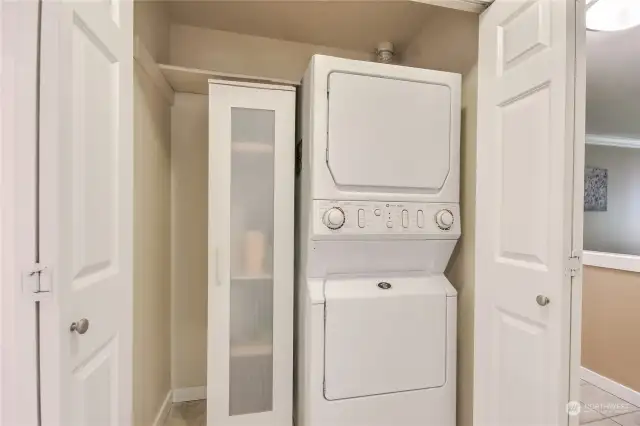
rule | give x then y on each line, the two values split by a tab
37	280
575	264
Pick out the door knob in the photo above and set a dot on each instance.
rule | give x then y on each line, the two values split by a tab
542	300
80	327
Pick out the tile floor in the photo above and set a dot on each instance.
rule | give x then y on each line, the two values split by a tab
600	408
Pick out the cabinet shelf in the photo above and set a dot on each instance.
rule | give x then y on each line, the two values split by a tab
251	278
252	147
251	350
193	80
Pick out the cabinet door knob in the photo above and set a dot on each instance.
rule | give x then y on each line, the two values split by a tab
542	300
80	327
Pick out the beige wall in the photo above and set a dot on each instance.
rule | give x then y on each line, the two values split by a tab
611	325
448	42
618	229
151	24
189	189
458	54
461	270
243	54
151	293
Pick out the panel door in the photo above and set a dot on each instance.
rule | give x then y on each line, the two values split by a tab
524	212
251	169
85	215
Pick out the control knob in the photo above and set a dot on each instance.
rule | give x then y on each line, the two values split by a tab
444	219
334	218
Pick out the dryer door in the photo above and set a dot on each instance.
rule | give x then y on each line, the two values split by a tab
384	336
388	135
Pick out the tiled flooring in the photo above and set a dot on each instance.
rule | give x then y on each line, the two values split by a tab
600	408
190	413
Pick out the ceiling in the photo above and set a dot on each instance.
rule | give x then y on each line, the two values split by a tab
613	83
353	25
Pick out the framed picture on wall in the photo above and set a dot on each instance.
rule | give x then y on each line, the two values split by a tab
595	189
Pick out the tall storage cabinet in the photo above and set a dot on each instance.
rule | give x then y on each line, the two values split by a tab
251	216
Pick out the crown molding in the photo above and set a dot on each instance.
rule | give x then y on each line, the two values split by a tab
612	141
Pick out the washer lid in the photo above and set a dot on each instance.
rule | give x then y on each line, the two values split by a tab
388	134
384	335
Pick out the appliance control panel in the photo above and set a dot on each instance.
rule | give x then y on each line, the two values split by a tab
438	220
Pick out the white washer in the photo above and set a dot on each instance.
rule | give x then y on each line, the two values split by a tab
378	218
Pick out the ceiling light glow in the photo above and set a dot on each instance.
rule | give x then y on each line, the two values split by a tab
613	15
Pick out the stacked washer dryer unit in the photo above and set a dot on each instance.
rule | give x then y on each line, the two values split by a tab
378	219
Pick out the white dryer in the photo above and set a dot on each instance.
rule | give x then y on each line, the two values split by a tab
377	220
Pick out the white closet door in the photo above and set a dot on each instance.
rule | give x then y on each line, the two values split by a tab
251	169
85	214
524	212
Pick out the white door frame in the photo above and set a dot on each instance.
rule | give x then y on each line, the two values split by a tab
18	372
578	199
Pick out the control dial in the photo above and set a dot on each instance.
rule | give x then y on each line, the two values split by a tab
333	218
444	219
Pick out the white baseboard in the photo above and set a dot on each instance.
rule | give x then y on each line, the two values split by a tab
189	394
612	387
164	410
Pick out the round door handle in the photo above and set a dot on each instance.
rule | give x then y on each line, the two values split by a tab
542	300
80	327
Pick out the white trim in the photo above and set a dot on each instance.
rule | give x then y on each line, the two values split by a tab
254	85
623	262
163	412
18	404
612	141
149	65
579	127
190	394
615	388
2	260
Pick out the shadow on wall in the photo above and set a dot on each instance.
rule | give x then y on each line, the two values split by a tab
461	269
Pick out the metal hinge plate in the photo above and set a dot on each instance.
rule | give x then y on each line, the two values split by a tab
575	264
36	280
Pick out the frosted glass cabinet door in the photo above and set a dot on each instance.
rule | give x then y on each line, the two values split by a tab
251	186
